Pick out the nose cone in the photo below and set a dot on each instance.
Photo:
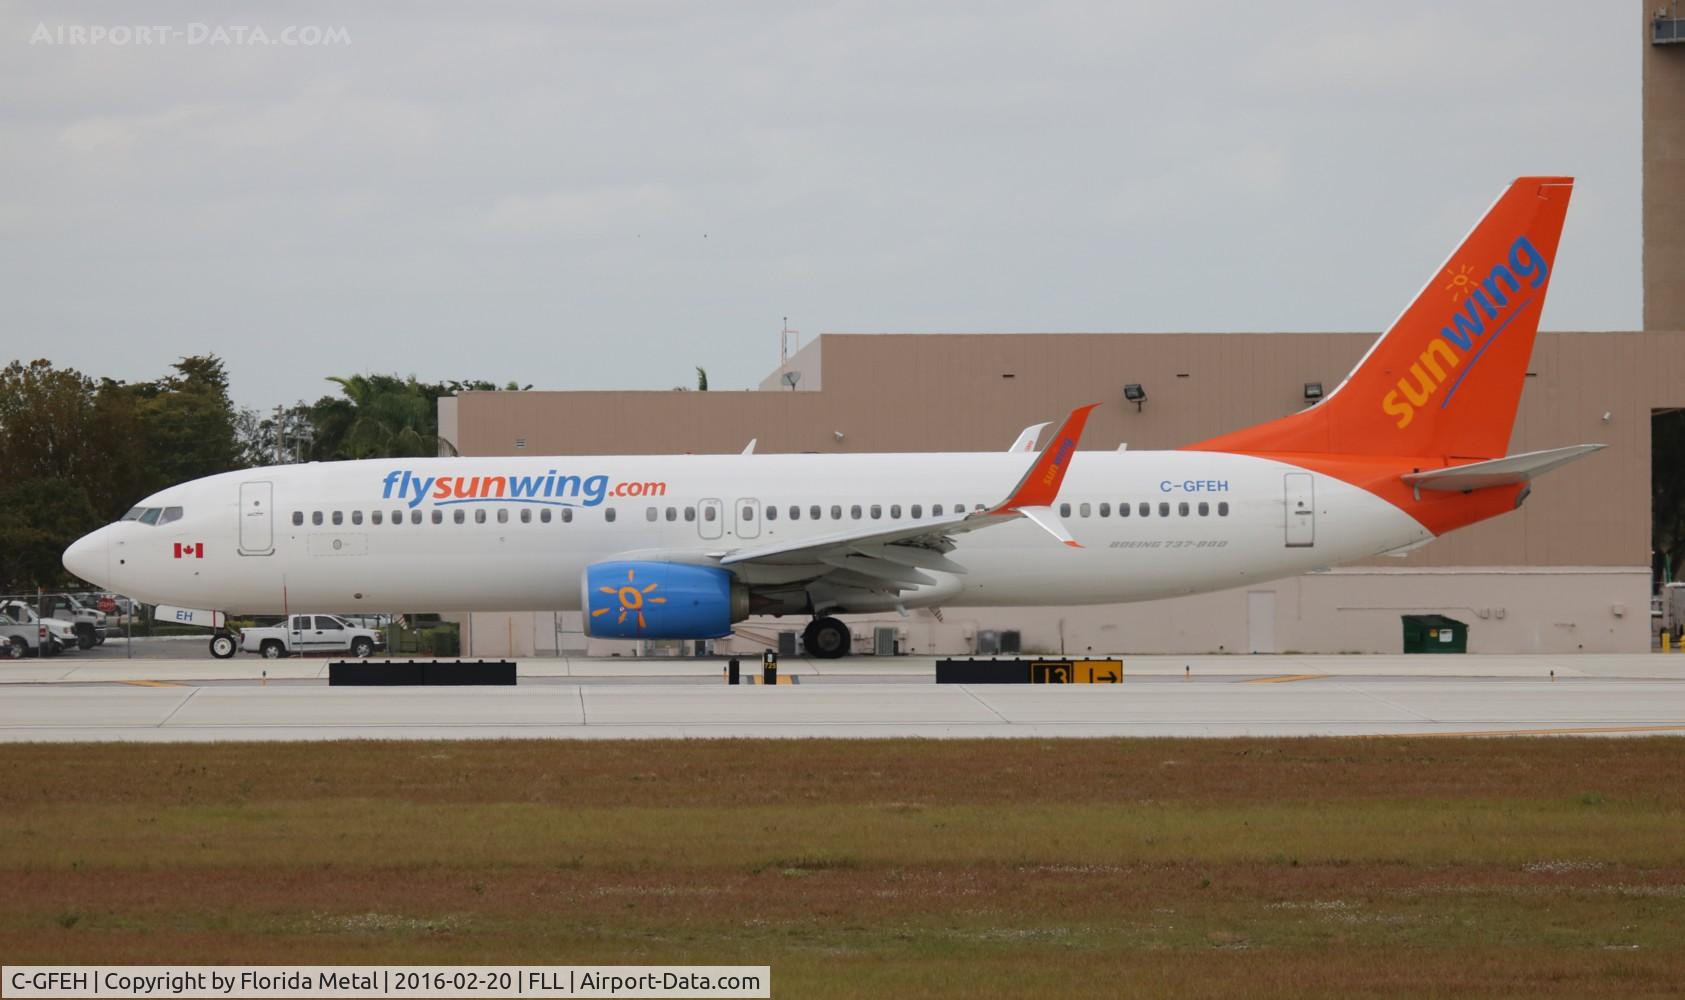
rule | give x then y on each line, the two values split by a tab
89	557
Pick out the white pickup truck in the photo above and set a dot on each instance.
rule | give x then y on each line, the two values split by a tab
27	631
301	634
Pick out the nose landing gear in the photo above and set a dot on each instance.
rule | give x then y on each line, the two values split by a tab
826	638
223	645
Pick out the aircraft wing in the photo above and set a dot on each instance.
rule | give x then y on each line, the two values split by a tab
893	558
1508	471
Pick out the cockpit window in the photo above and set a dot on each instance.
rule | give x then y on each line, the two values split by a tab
134	513
150	515
170	514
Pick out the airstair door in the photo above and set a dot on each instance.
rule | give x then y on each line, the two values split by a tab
257	531
1300	510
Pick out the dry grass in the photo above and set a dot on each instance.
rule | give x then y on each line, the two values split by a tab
1271	868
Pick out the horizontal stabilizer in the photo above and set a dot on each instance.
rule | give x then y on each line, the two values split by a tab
1499	471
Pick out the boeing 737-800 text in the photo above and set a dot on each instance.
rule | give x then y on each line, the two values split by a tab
1410	446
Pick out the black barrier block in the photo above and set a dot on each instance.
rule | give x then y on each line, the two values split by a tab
416	673
982	672
374	673
479	672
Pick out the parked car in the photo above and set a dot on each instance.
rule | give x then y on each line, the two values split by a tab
44	636
302	634
90	622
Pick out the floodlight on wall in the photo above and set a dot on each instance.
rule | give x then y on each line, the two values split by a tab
1313	391
1135	394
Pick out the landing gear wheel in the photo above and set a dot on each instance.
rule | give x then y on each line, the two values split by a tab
222	646
826	639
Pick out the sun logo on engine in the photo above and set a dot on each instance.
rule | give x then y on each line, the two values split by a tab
632	599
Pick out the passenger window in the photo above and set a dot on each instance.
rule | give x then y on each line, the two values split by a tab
651	514
854	512
316	518
1182	508
672	513
502	515
1223	508
526	515
339	517
608	514
480	516
895	511
795	512
376	517
1084	510
836	512
709	514
170	514
544	515
439	516
917	511
567	515
356	517
814	513
748	513
935	510
1204	509
771	512
690	513
415	517
398	517
1122	509
1105	510
1064	510
459	516
1164	510
877	511
298	518
1145	509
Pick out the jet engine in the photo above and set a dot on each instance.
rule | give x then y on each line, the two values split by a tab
661	600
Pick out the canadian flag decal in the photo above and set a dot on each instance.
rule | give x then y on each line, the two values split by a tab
193	551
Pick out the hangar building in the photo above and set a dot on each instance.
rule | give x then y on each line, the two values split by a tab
1570	571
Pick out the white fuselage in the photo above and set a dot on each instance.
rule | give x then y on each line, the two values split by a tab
250	541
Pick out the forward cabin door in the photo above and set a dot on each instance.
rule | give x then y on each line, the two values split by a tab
257	531
1301	510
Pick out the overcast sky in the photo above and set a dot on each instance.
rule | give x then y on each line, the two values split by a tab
606	195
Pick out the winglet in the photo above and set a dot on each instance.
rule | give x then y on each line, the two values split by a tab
1027	438
1040	485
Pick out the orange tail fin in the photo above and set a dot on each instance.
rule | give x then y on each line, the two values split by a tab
1446	377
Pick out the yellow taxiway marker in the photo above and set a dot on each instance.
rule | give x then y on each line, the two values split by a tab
1285	678
152	684
1557	731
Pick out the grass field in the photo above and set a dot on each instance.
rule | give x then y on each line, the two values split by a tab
1367	867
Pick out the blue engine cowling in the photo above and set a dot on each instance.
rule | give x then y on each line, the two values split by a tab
661	600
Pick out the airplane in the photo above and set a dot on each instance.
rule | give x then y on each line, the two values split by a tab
1410	446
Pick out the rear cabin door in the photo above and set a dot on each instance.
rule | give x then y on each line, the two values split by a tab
1300	510
257	532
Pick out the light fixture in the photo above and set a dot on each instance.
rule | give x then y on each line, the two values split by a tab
1313	391
1135	394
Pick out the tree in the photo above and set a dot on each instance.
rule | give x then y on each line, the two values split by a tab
43	516
701	379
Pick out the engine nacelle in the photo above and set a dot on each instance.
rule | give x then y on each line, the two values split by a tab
661	600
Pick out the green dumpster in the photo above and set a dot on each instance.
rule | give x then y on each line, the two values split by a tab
1435	634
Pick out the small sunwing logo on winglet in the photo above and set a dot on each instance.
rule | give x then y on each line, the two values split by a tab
1483	308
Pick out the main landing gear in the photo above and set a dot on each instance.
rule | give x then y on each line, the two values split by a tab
826	638
223	646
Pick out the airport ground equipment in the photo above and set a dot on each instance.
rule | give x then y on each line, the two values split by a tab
1435	634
